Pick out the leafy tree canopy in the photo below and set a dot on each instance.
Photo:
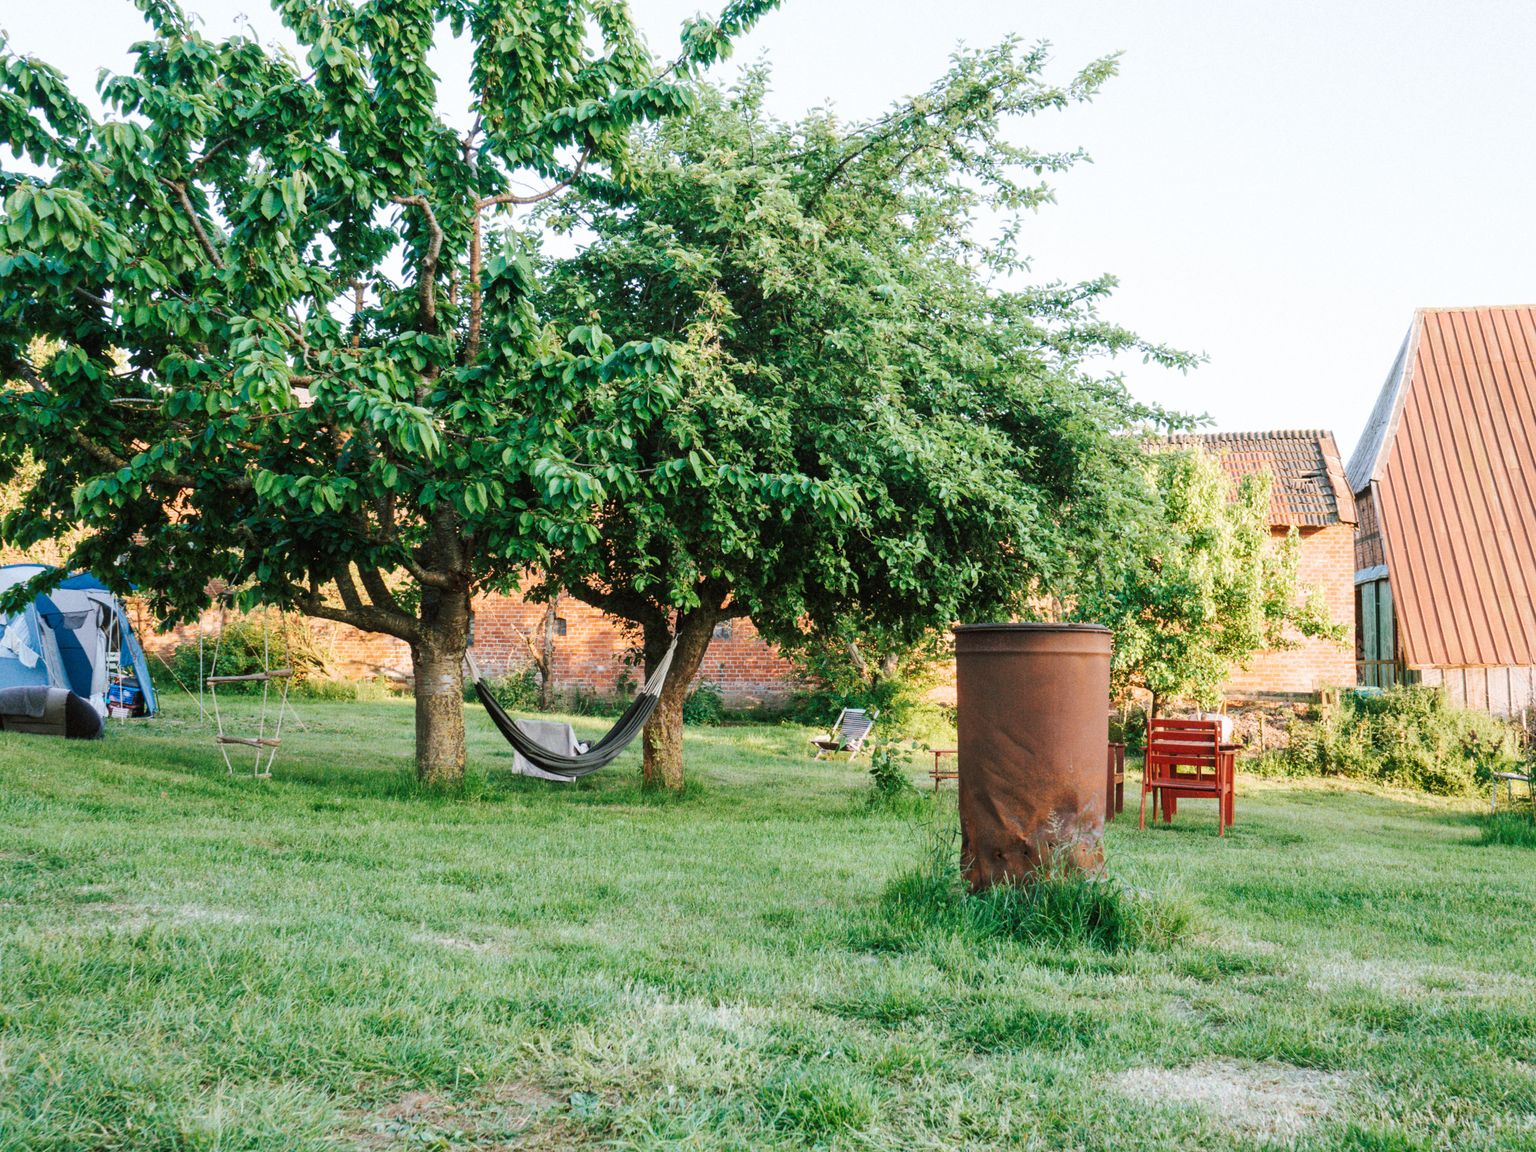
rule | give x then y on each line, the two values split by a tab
875	433
295	338
1199	584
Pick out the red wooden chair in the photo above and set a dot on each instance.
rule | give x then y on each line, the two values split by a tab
1186	760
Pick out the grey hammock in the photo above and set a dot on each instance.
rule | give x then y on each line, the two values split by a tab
599	755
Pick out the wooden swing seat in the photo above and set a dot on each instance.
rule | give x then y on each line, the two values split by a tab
251	678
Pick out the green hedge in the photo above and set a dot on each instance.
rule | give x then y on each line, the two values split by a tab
1403	736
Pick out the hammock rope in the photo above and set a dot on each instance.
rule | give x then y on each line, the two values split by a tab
599	755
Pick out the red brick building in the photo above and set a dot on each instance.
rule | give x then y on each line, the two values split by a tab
1308	492
1445	479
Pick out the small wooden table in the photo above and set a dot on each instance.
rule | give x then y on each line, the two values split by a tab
1508	779
941	773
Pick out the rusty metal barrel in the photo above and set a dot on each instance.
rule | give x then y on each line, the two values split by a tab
1033	714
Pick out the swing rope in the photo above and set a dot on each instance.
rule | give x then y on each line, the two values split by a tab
264	747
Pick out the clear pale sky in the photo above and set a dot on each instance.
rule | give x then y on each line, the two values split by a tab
1277	185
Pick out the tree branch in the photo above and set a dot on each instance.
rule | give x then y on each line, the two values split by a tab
198	230
395	624
625	605
348	589
378	591
357	314
536	197
429	577
426	275
476	297
354	612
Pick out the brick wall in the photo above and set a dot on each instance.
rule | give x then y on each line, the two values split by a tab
594	654
1328	563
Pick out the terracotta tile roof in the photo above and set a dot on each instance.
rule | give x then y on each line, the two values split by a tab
1450	452
1307	485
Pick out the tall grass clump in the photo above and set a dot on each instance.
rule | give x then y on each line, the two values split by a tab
1409	737
890	785
1512	829
1062	905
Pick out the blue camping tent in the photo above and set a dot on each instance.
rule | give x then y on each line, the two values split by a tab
78	637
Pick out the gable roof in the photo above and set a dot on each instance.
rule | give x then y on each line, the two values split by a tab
1307	488
1368	453
1450	455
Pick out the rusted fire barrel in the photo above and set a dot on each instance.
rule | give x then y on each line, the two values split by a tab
1033	715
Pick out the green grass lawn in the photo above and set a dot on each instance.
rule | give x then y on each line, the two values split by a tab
330	960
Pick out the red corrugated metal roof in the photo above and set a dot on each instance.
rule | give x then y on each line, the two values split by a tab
1307	484
1451	453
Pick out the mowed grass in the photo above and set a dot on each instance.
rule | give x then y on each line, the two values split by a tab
330	959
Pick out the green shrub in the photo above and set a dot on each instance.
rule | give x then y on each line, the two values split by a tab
516	691
244	647
326	688
580	702
834	681
1129	727
890	782
704	706
1063	905
1408	736
903	711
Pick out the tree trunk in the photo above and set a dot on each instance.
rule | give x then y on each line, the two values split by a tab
437	664
663	736
860	667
